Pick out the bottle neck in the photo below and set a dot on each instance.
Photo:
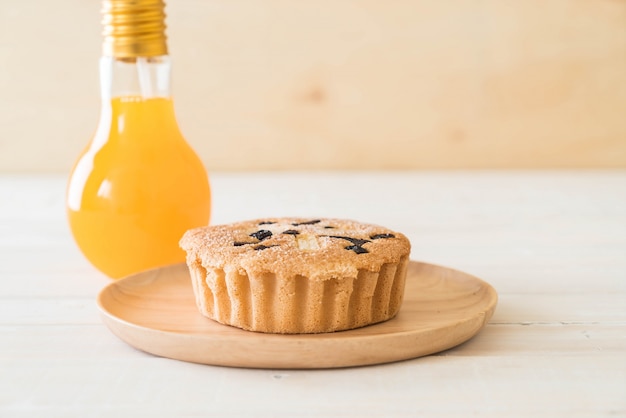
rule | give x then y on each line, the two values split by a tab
136	101
136	77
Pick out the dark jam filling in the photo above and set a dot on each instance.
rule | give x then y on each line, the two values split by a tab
264	247
261	234
356	241
313	222
357	244
379	236
357	249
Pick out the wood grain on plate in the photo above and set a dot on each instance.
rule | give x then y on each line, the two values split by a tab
155	311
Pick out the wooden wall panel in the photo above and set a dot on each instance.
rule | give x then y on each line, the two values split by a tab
346	84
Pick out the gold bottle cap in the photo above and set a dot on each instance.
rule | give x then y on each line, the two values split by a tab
134	28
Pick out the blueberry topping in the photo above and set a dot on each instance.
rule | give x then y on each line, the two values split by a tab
291	232
379	236
261	234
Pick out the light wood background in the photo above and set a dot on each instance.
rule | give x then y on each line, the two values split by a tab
552	244
346	84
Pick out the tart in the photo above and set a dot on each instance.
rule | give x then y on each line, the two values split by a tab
296	275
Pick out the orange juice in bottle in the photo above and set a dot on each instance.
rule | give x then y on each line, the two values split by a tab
138	186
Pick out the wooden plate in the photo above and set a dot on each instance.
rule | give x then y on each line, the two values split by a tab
155	311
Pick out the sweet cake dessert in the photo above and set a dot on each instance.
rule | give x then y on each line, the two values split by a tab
295	275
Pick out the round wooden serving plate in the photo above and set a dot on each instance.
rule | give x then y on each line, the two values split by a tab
155	311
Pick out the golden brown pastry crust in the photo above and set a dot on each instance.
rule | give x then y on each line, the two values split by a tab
297	275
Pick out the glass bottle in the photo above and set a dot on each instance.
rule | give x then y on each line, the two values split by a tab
138	186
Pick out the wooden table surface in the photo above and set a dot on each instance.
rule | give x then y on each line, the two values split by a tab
553	244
